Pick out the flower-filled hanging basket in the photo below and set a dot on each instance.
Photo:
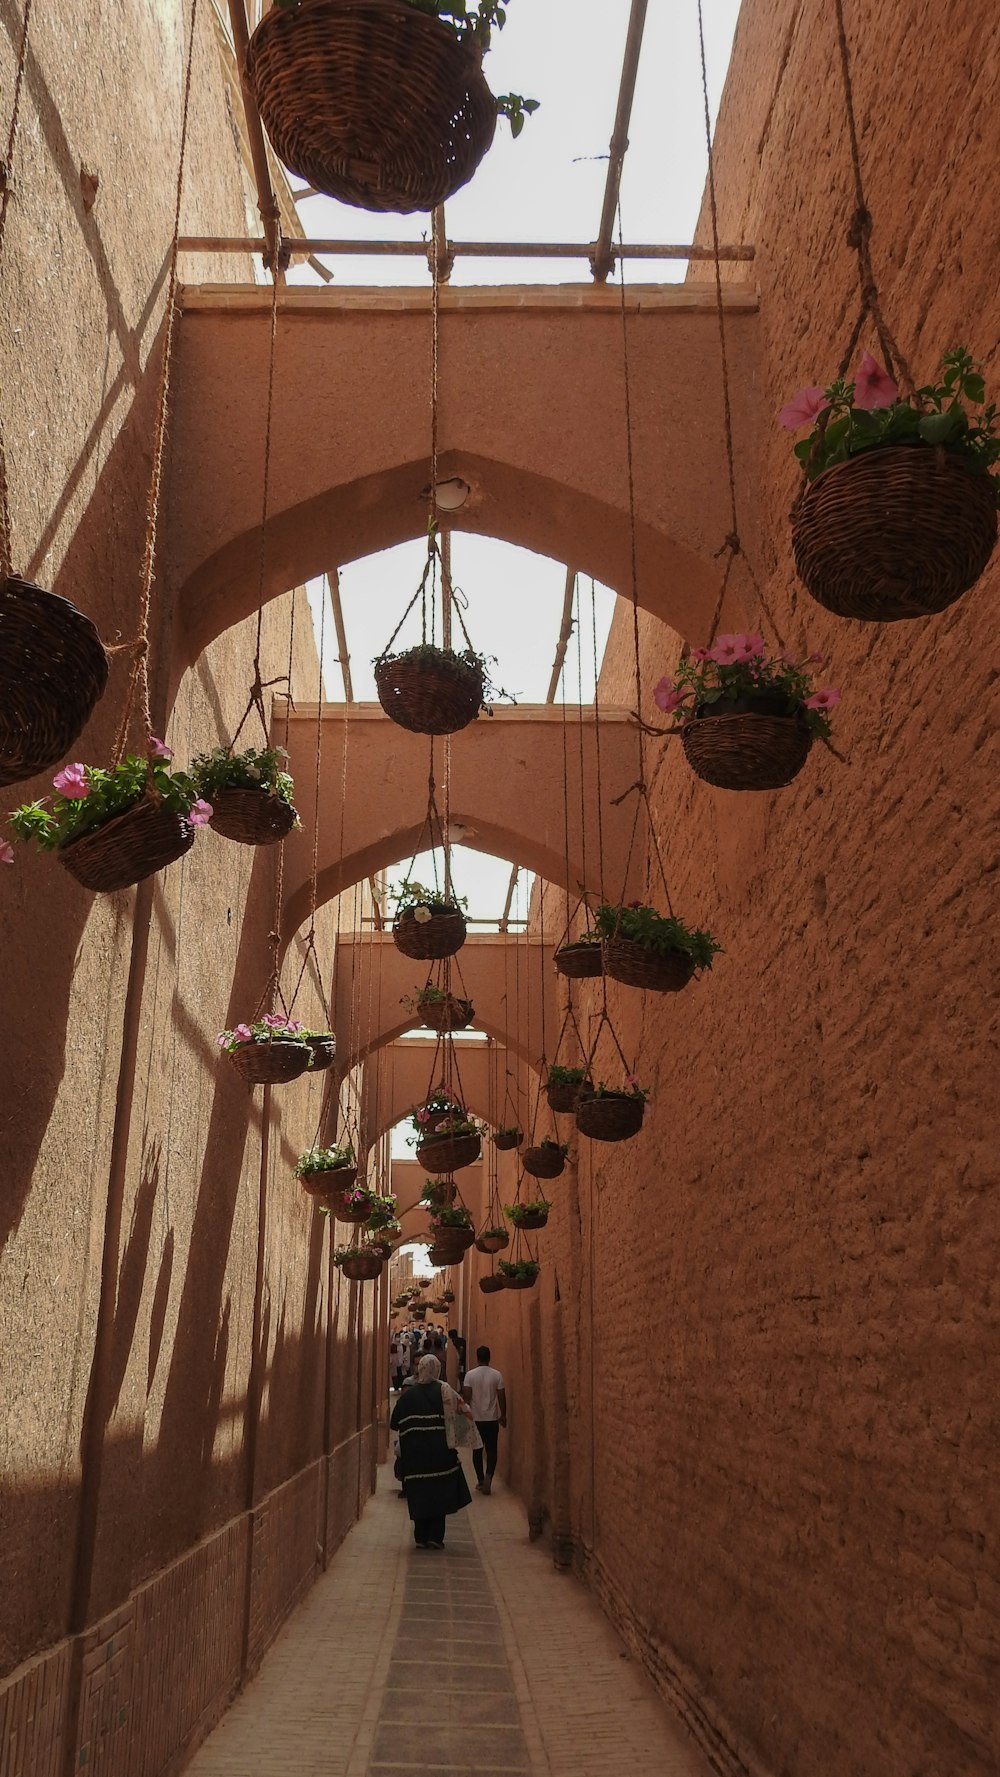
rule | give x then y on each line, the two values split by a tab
448	1153
430	690
651	950
449	1013
440	1254
519	1274
252	817
438	1192
492	1240
381	1244
371	101
564	1086
746	716
271	1063
579	960
529	1215
322	1046
894	533
126	849
331	1184
53	671
654	971
429	931
363	1266
610	1116
749	748
491	1284
505	1140
452	1236
546	1161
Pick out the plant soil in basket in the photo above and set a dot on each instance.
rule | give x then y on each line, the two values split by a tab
894	533
270	1064
252	817
637	966
579	961
543	1162
451	1013
489	1285
745	749
371	101
131	846
493	1243
53	671
563	1094
448	1153
363	1267
330	1183
429	939
610	1116
323	1049
430	694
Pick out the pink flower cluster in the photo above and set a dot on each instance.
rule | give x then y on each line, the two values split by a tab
873	387
72	782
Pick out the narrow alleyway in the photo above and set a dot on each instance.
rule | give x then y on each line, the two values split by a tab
478	1659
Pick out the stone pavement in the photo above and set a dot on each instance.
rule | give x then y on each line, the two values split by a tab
476	1661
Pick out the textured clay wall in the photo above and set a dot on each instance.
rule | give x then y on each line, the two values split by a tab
776	1311
186	1394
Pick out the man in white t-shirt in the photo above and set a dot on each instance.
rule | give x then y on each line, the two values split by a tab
484	1391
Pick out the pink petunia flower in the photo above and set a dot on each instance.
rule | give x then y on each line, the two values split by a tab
274	1021
72	783
668	697
700	654
727	650
631	1079
222	1038
873	386
243	1033
6	852
823	700
158	749
294	1024
201	813
751	646
803	408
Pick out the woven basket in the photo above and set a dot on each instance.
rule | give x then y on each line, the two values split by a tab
429	696
531	1218
454	1239
53	670
448	1153
375	104
492	1243
253	817
131	846
636	966
425	940
562	1095
579	960
270	1064
746	751
381	1245
445	1191
609	1117
520	1283
504	1143
490	1285
330	1184
543	1162
323	1050
894	533
448	1014
362	1267
445	1255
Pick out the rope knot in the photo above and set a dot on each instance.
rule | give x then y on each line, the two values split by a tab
860	229
731	541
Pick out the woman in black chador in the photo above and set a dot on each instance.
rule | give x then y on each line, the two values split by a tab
430	1468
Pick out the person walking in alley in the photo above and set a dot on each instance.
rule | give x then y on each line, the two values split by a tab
431	1474
484	1391
457	1345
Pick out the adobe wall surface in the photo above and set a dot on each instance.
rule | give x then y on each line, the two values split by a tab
186	1394
775	1312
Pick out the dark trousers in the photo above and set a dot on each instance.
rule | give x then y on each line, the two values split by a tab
428	1530
489	1431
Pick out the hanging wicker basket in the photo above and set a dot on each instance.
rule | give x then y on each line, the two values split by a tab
330	1184
543	1162
579	961
429	939
489	1285
270	1064
746	749
894	533
370	101
323	1050
450	1013
446	1255
445	1191
362	1267
520	1283
530	1218
610	1116
655	971
453	1239
53	670
493	1243
251	817
563	1094
507	1139
131	846
430	694
448	1153
380	1244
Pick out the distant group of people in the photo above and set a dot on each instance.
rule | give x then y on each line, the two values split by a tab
435	1420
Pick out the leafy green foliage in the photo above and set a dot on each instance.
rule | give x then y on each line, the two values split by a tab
658	932
256	768
518	1211
566	1076
518	1268
451	1215
703	682
417	894
109	793
561	1147
327	1160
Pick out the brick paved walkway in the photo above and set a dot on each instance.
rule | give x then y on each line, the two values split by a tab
477	1661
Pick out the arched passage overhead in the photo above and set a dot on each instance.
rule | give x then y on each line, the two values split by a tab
516	780
531	414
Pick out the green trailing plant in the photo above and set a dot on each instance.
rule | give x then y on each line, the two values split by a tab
87	796
518	1268
334	1159
849	418
451	1215
560	1147
271	1028
587	937
429	654
493	1228
566	1076
415	896
383	1215
518	1212
477	24
738	668
508	1129
255	768
659	932
435	1191
341	1254
631	1089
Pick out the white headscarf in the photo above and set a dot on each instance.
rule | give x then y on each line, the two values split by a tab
428	1369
